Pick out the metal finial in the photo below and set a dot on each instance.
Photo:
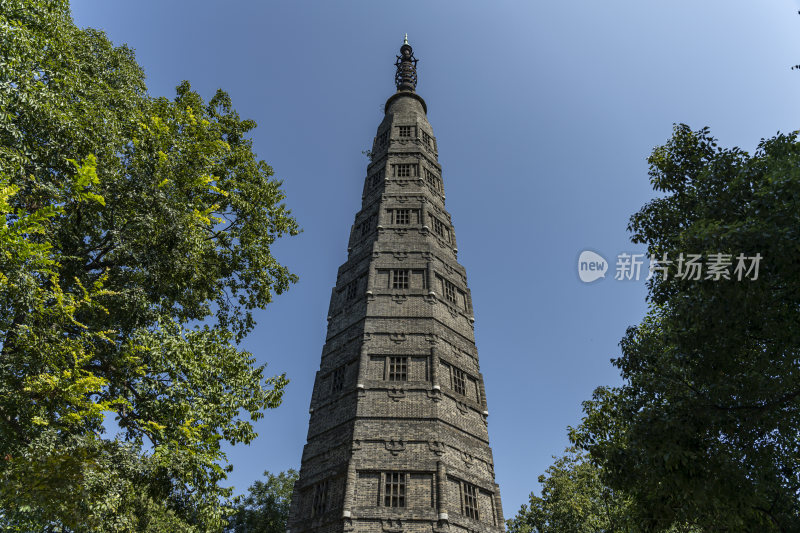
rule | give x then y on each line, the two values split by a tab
406	76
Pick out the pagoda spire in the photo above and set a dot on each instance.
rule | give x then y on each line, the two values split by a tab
406	76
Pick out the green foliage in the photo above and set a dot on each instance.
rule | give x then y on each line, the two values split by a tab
83	483
576	500
573	500
705	429
127	221
265	509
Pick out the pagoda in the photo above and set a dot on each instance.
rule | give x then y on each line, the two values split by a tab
397	438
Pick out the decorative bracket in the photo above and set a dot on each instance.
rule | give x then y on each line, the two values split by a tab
397	337
437	447
396	394
392	526
395	446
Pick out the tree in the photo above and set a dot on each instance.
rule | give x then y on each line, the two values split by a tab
705	428
573	500
265	509
576	500
136	241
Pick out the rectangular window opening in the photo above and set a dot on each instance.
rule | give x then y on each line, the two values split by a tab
337	383
395	493
441	229
433	180
320	499
449	291
367	225
406	170
459	381
376	178
402	216
398	368
470	500
400	279
352	290
426	139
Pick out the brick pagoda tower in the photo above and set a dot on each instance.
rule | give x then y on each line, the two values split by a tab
398	440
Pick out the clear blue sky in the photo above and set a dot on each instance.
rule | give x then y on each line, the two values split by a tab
545	113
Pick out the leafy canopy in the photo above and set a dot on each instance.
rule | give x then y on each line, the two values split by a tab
573	500
706	428
265	509
127	221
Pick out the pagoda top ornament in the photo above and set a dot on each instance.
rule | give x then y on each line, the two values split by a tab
406	76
